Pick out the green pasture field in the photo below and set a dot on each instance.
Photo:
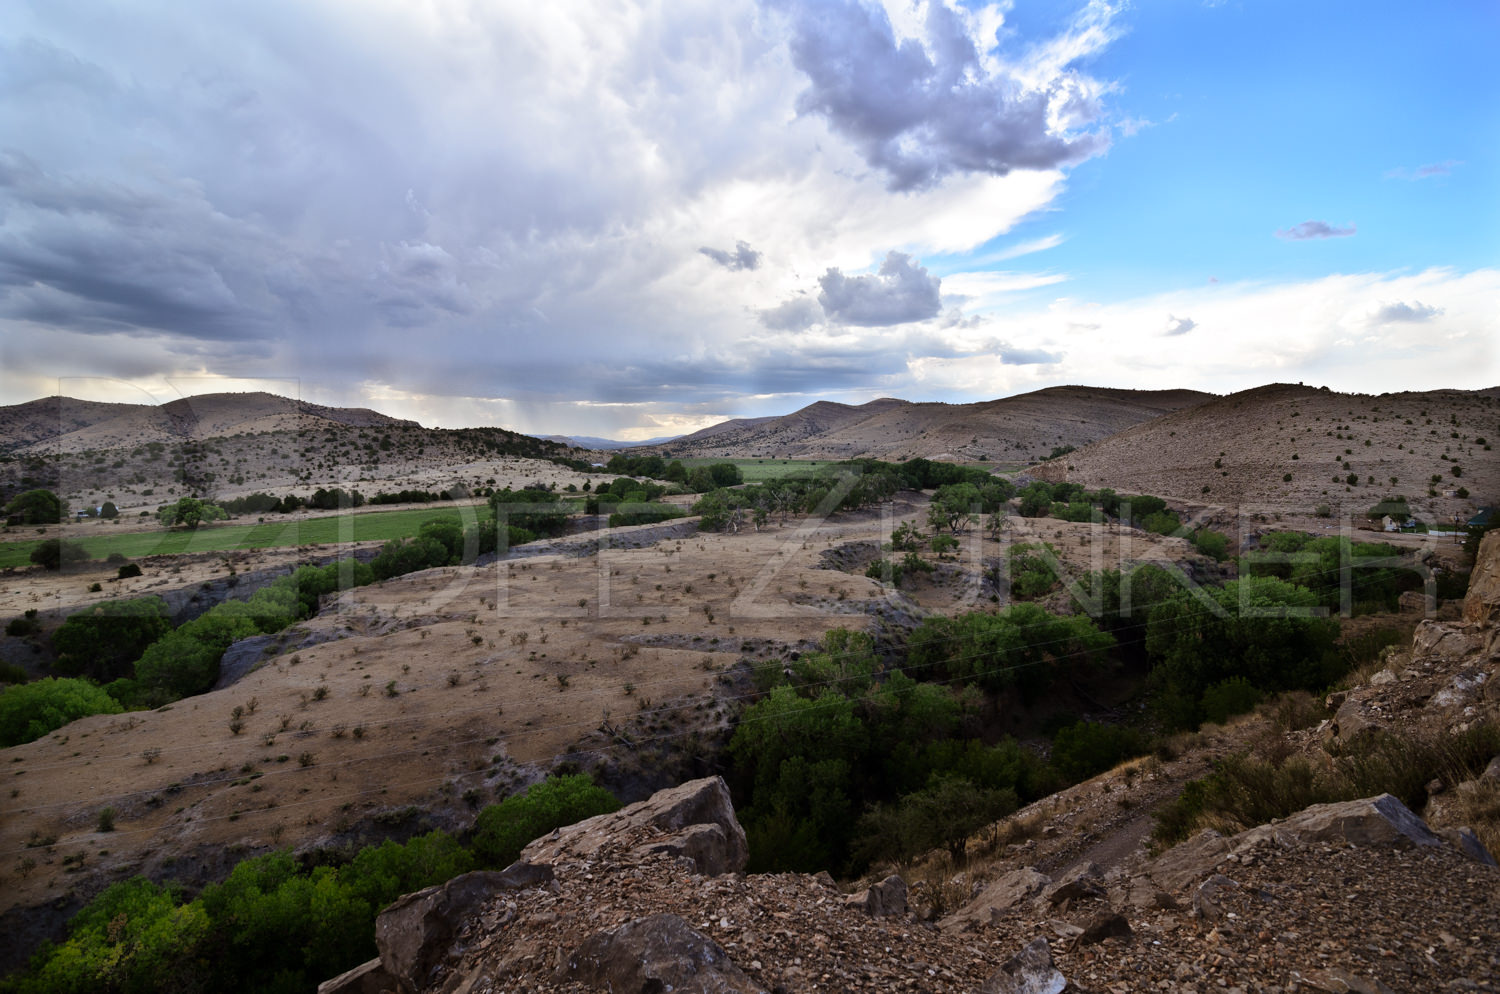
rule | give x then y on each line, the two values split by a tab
760	470
370	526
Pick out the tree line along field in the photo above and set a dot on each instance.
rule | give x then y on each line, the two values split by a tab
370	526
761	470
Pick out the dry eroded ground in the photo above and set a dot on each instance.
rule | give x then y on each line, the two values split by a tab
423	689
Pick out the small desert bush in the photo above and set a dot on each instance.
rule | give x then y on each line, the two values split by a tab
1244	791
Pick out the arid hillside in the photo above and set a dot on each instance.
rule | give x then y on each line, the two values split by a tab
1013	429
1294	447
62	424
227	445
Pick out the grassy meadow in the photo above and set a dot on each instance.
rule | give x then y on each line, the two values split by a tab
367	526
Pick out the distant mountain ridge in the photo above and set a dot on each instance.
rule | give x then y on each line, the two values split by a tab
1023	428
1296	446
64	424
591	442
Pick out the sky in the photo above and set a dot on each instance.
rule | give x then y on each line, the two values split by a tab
634	220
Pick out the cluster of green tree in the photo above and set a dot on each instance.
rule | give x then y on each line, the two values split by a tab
30	710
1211	651
1023	648
130	647
956	506
260	503
924	474
622	490
1033	570
535	511
55	553
278	925
185	661
894	572
700	479
644	514
651	466
35	507
845	762
190	512
1362	576
335	500
104	641
847	486
1072	502
443	542
411	497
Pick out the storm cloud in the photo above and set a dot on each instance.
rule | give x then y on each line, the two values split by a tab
921	109
899	292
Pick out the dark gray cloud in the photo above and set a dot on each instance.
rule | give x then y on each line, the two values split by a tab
797	314
901	291
1402	312
920	112
1313	230
1179	326
431	201
743	257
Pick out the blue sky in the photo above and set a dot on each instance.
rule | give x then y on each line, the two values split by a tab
634	220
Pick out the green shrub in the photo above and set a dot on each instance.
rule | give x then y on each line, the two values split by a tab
54	554
1085	748
30	710
1228	698
24	625
1244	791
103	641
1031	572
503	830
944	814
1211	543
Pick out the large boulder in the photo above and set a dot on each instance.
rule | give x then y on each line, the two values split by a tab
1081	882
1189	862
1029	971
695	820
367	978
1370	821
655	954
887	899
415	934
1482	602
1002	895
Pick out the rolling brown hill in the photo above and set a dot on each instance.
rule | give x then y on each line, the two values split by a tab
63	424
1240	450
1022	428
228	444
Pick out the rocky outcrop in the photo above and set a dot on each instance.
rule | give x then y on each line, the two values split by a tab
650	899
657	953
1482	602
886	899
694	821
